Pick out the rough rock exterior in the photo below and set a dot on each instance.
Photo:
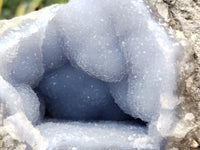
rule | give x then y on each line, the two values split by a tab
7	140
183	19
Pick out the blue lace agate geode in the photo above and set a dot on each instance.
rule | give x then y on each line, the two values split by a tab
89	60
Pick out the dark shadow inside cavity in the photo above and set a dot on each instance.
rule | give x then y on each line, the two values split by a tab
72	95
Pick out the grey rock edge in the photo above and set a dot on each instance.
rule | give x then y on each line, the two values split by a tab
182	19
184	26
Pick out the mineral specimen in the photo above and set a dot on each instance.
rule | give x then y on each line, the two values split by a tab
98	65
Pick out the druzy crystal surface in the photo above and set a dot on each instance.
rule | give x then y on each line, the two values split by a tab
106	68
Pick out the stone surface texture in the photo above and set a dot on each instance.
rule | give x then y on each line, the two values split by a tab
183	20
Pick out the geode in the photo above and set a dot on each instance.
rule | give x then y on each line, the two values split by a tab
89	75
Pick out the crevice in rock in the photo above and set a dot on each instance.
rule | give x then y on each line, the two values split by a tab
109	111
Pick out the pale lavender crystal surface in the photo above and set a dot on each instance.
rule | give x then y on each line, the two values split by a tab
90	60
